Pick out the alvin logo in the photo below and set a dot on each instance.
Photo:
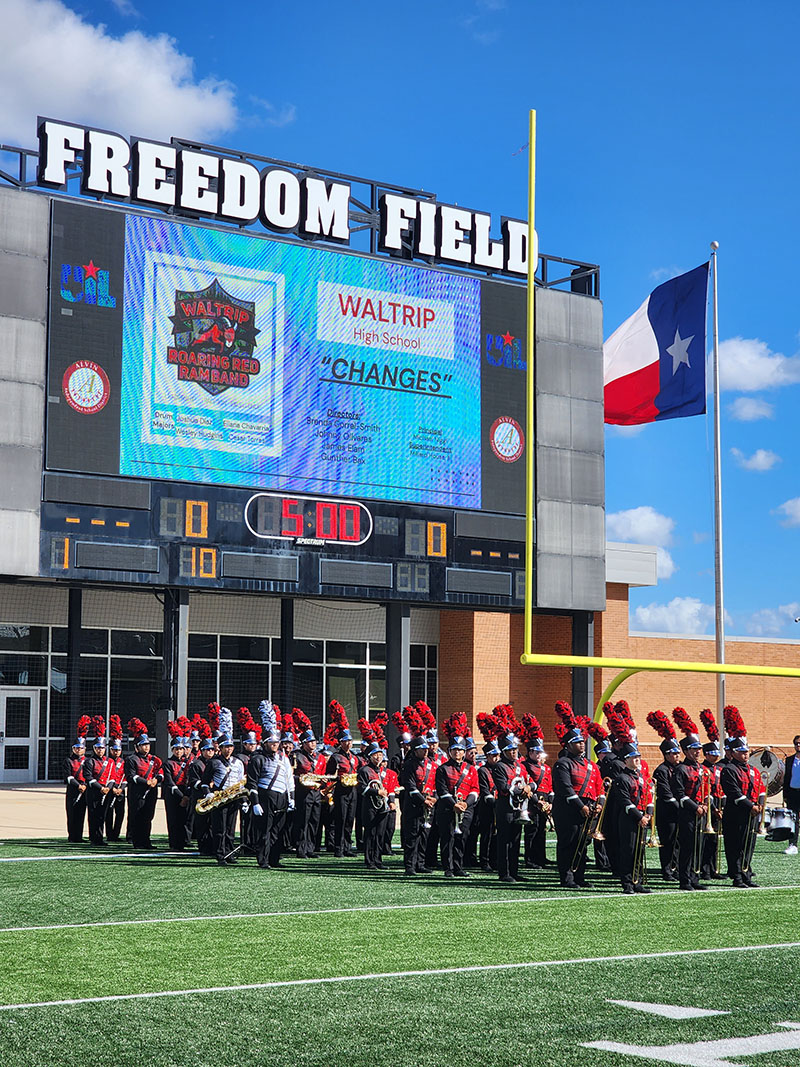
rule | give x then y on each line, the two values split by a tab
214	337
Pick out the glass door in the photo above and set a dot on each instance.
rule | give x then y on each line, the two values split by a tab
19	732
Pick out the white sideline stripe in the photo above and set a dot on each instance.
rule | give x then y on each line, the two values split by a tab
584	897
398	974
95	856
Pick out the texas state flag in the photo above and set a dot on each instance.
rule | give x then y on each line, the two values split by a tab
655	363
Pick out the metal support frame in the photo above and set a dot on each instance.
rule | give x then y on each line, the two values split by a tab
398	661
286	687
74	621
175	664
583	677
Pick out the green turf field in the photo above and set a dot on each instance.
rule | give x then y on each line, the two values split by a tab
357	968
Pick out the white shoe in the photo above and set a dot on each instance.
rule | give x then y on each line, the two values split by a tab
790	851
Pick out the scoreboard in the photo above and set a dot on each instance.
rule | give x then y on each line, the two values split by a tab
171	533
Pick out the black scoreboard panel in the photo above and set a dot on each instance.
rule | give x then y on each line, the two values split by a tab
170	533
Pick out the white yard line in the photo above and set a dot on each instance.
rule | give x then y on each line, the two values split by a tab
564	898
433	972
96	856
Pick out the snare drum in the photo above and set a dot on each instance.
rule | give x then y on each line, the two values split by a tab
780	824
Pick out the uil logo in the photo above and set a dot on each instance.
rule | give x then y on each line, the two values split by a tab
86	284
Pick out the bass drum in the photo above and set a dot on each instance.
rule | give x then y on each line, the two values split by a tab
780	824
771	767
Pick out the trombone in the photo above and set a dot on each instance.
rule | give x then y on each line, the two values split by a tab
592	827
652	839
703	824
754	827
639	873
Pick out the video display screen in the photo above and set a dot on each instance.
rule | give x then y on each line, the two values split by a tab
182	352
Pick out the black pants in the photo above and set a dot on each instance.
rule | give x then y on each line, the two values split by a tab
629	837
76	813
388	831
708	861
569	825
509	835
344	813
269	826
223	830
374	831
307	815
688	828
487	836
536	838
95	810
667	830
735	827
451	844
415	837
176	823
791	799
141	809
114	814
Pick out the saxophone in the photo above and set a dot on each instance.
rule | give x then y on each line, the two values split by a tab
221	796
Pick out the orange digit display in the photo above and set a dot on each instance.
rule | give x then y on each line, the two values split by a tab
196	518
437	539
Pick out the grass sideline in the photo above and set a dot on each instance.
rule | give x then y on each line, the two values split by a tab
531	1015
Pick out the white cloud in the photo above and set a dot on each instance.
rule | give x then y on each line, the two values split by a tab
645	526
749	409
790	509
747	365
625	431
701	536
682	615
55	63
273	115
661	274
126	8
768	622
761	460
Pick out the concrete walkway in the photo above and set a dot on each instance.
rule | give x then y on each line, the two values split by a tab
37	811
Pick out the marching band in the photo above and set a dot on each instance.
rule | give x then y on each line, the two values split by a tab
459	806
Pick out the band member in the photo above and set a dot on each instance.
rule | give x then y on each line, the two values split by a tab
251	739
791	792
471	841
418	807
403	747
456	784
288	748
308	797
375	806
435	758
270	783
115	801
634	818
745	796
175	792
391	783
487	799
144	774
76	790
96	772
540	806
344	764
691	789
708	859
572	774
513	793
221	772
666	803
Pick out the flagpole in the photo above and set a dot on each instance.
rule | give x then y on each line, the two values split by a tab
719	605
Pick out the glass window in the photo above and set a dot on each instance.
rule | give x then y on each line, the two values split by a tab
18	717
201	688
416	686
246	648
22	670
430	698
377	692
308	652
92	641
433	657
59	750
277	650
203	646
377	653
94	675
23	638
243	685
348	685
40	763
417	654
308	695
136	643
347	651
16	757
136	689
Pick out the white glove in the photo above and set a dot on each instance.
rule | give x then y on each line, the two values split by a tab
291	804
258	810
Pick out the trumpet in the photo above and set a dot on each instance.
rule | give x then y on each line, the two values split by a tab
316	781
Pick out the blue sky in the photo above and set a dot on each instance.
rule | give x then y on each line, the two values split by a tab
660	128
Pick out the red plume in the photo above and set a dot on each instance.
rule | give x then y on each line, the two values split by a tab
399	722
366	730
504	713
84	722
489	726
301	720
426	714
661	724
174	729
597	731
186	726
213	716
136	727
455	726
709	724
98	726
566	714
624	710
201	725
115	727
337	721
608	706
415	722
530	728
734	723
684	721
618	725
561	732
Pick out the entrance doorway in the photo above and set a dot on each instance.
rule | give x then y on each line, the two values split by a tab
19	733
